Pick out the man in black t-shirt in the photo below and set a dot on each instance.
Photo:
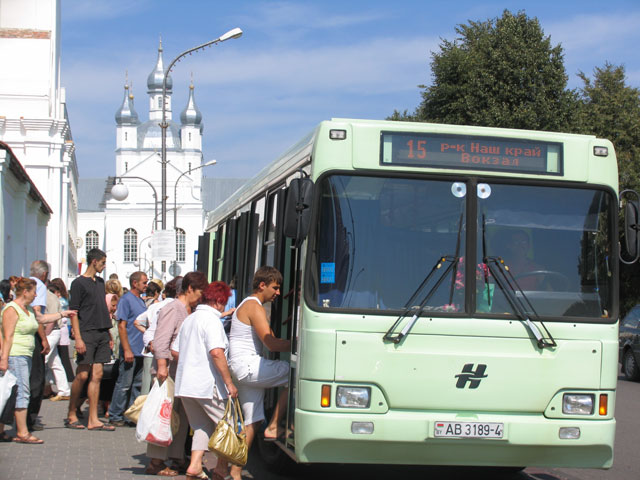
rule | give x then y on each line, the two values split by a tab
93	341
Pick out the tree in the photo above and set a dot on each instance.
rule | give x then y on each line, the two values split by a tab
611	109
502	72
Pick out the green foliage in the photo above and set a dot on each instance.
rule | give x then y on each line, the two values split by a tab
611	109
502	72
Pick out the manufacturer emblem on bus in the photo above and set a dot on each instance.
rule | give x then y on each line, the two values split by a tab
473	377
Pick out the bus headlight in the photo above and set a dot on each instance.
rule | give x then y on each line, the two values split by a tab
577	404
353	397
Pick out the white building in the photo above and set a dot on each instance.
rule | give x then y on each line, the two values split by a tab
24	215
123	229
34	122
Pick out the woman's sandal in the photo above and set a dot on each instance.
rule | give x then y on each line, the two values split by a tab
5	438
161	470
200	476
30	439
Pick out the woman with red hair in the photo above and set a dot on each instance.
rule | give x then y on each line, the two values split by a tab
203	380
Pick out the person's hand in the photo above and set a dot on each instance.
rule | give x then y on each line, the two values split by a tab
46	348
111	344
233	391
4	365
68	313
163	373
128	356
150	347
81	348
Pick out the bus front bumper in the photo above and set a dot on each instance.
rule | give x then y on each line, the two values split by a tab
408	438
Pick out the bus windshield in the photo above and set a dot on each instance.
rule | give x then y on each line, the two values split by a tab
379	238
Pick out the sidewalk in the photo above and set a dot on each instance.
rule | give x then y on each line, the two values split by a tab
75	454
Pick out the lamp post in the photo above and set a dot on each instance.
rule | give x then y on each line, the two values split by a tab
175	189
119	191
234	33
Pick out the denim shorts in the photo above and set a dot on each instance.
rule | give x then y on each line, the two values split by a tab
20	366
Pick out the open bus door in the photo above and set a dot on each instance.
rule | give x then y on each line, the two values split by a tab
293	218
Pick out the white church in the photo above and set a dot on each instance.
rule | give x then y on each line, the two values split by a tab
124	228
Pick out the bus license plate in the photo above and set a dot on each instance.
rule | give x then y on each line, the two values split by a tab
468	430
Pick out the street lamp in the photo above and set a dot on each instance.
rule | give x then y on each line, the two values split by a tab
234	33
119	191
175	189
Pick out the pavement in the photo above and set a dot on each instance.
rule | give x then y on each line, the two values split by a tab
76	454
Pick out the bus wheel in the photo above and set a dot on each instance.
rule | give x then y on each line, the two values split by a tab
274	458
630	366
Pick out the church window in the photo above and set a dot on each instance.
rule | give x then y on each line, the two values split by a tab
159	102
181	243
126	134
130	245
92	240
189	136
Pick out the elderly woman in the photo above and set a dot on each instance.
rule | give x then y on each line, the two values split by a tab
203	380
19	325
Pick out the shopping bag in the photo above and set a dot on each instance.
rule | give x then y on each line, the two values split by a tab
229	441
154	422
7	381
6	416
133	412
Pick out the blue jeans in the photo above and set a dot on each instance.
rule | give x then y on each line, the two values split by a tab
20	366
127	387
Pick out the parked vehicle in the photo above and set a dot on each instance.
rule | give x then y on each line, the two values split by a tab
630	344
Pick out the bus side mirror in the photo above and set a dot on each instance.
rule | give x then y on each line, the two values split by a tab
631	226
297	210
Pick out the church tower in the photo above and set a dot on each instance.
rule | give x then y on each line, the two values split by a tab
191	120
126	132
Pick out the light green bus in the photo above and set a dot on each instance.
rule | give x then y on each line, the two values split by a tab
402	353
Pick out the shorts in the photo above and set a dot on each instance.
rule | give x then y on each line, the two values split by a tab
20	366
98	349
255	374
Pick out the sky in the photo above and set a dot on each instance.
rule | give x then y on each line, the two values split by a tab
297	63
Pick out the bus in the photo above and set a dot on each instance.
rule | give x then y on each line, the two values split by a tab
451	292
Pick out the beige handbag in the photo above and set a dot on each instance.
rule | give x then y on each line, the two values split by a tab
229	440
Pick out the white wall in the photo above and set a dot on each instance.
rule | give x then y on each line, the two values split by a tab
34	123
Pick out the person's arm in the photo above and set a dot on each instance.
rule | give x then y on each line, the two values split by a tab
220	362
162	342
142	321
259	322
41	333
9	321
122	314
124	341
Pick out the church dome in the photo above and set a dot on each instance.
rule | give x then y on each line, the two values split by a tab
126	114
191	115
155	78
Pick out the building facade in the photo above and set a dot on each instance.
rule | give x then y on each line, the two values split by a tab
35	126
124	229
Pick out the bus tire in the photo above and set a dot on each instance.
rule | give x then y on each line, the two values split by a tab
630	366
274	458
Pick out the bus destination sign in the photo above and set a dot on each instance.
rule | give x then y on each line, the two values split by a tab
471	152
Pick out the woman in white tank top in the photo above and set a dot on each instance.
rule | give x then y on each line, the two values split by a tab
250	334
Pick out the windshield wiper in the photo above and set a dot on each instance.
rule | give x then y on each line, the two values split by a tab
521	306
389	336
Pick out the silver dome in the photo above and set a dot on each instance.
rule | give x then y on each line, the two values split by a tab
155	78
126	114
191	115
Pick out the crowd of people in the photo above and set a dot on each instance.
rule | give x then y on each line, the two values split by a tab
125	338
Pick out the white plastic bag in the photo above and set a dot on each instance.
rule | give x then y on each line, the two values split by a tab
7	381
154	423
